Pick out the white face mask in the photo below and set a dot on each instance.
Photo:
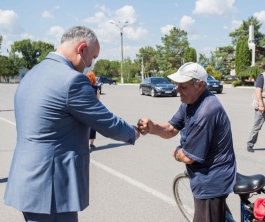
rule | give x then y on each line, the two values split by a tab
88	69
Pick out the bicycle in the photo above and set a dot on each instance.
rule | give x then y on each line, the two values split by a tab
245	187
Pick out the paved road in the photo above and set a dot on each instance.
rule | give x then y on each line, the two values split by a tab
133	183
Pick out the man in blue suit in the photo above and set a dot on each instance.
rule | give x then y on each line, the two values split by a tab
55	107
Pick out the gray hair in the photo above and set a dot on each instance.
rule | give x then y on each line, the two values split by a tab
78	34
195	82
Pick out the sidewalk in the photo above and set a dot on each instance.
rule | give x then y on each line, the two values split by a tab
231	86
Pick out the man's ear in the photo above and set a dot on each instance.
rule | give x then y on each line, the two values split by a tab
200	83
81	47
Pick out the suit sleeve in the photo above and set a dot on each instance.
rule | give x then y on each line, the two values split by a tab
83	104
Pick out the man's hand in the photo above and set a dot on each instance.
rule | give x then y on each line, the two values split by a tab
175	153
261	109
179	156
137	132
144	125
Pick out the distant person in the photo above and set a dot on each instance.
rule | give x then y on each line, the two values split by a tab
259	101
206	145
93	81
55	107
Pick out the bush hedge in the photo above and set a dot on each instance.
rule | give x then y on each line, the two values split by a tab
237	83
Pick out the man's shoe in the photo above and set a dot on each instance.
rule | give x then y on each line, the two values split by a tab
92	146
250	150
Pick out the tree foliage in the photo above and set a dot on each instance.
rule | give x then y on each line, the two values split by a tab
102	68
243	57
242	33
225	59
190	55
251	71
1	39
32	52
7	67
149	56
170	54
215	74
203	60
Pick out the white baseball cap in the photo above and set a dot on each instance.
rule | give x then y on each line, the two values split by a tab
189	71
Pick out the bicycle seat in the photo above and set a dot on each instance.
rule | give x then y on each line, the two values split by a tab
248	184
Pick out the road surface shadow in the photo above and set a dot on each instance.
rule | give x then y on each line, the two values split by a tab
7	110
109	146
4	180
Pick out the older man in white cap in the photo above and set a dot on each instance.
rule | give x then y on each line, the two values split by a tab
206	145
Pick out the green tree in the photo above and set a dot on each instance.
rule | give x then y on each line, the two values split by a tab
102	68
203	60
128	70
225	59
7	67
1	39
242	33
190	55
114	69
243	58
32	52
215	74
170	54
149	56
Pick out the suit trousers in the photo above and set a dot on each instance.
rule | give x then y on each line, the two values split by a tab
57	217
258	122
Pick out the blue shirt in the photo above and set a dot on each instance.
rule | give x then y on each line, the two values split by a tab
207	139
260	81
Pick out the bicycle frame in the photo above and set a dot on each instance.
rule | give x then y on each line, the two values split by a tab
181	185
245	214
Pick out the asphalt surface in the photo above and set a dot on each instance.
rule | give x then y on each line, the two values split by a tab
134	183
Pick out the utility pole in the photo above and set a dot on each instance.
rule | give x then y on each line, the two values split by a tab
251	44
121	26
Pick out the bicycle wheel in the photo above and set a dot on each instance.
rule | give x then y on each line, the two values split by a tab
183	196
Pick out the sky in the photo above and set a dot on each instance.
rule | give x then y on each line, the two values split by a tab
207	22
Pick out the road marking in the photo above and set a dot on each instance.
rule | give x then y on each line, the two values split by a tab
7	121
125	178
135	183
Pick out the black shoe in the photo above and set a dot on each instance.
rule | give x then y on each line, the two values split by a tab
250	150
93	146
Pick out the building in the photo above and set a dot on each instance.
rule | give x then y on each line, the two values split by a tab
15	79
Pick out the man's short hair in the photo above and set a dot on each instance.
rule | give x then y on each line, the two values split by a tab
78	34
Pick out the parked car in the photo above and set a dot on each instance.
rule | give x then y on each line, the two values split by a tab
108	80
157	86
214	84
99	85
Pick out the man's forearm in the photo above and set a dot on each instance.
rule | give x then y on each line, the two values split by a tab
258	92
164	130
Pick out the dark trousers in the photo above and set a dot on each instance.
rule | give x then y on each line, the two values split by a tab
210	210
58	217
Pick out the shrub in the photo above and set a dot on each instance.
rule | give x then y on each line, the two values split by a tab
237	83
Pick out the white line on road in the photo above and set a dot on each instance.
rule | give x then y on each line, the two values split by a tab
129	180
7	121
135	183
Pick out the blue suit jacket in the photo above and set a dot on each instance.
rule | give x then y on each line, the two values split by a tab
55	106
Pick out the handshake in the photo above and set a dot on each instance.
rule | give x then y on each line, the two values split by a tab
143	127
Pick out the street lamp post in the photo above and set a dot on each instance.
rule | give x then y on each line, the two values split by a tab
121	26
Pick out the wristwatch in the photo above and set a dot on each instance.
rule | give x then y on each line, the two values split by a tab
176	154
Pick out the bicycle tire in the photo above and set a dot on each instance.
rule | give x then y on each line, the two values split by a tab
183	196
